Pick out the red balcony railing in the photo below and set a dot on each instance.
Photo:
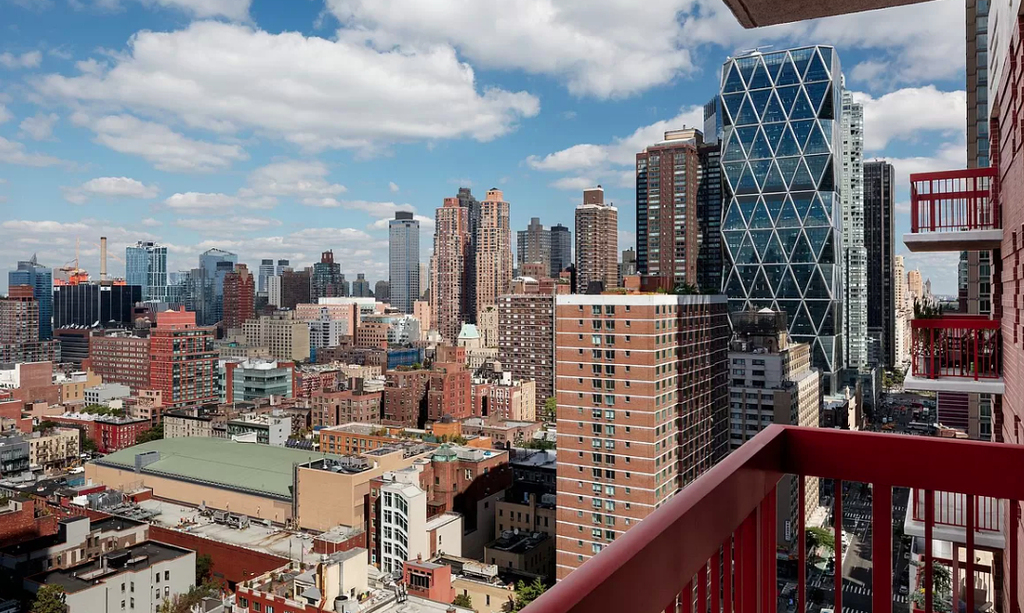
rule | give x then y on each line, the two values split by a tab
951	510
953	201
712	547
964	346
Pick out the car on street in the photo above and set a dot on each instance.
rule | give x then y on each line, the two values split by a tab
903	590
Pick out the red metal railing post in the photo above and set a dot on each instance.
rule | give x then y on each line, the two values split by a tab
837	516
881	548
1013	518
931	217
716	569
702	591
931	353
746	559
686	597
977	339
929	520
914	224
727	576
969	568
801	572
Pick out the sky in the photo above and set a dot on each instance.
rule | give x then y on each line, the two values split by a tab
283	128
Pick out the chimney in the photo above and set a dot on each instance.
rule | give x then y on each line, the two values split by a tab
103	258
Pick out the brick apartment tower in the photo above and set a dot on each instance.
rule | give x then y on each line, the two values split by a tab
597	241
526	340
448	292
120	358
493	251
182	360
239	297
19	329
643	409
667	230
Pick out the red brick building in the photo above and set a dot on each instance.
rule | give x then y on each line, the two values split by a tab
110	434
120	358
405	397
239	297
450	392
19	329
429	580
182	363
336	408
24	519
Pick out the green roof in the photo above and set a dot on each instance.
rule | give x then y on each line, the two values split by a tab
248	467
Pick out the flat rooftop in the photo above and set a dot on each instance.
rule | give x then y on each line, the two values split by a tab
245	467
141	556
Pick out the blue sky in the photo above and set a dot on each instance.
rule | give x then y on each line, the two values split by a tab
284	128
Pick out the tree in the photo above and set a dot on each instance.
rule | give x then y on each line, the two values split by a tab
525	594
88	445
183	603
464	601
44	425
49	599
550	409
942	587
153	434
538	443
822	537
204	567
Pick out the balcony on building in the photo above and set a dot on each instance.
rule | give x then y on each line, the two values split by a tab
953	211
956	353
713	546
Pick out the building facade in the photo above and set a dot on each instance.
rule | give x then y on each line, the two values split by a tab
40	279
782	223
145	265
493	251
182	360
95	305
214	265
403	261
449	294
632	429
533	245
526	340
286	336
119	357
239	297
561	249
19	329
855	305
597	242
326	280
709	216
879	237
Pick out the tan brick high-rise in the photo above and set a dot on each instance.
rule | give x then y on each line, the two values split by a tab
493	250
642	389
448	294
597	241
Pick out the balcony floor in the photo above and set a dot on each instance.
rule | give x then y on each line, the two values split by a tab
955	384
968	240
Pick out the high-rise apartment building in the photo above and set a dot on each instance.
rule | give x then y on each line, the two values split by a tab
855	304
666	207
526	340
92	304
145	265
285	336
327	280
120	357
266	271
782	222
709	216
915	286
239	297
597	242
403	261
449	295
382	292
40	279
771	382
533	245
879	233
361	287
493	251
295	288
643	409
561	249
19	329
904	313
214	264
182	360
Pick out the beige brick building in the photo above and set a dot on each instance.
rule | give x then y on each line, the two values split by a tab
597	241
59	447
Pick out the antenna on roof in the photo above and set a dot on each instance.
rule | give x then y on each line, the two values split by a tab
755	50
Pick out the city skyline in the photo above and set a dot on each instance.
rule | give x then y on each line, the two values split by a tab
288	194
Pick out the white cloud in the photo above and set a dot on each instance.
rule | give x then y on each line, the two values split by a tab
227	225
164	148
30	59
39	126
199	202
393	187
5	115
949	156
426	223
109	187
574	183
309	91
13	152
237	10
149	222
906	113
297	178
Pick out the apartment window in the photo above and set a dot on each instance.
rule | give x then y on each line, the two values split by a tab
122	604
469	474
270	609
256	606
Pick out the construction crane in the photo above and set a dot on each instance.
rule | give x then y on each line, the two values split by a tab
72	275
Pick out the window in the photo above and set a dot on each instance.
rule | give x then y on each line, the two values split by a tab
469	474
122	604
270	608
256	606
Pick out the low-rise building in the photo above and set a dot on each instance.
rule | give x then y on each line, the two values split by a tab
286	337
330	409
54	448
14	455
140	577
107	432
193	421
505	399
503	433
246	380
106	393
265	429
530	552
77	540
24	518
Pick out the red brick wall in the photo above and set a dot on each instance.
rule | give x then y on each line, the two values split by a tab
231	564
329	547
24	525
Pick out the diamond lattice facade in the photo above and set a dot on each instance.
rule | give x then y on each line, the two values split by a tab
782	226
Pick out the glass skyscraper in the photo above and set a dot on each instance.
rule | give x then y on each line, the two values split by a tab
145	265
782	224
213	265
40	278
404	261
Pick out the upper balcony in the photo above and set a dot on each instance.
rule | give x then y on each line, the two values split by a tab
712	547
956	353
953	211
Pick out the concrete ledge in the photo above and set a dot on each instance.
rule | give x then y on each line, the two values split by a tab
968	240
955	384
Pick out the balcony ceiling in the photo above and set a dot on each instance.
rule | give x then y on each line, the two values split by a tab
757	13
967	240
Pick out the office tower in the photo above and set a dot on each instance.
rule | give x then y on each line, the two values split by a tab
879	233
266	271
561	249
666	232
145	265
597	242
93	304
782	224
182	360
526	340
361	287
713	128
295	288
627	265
40	279
493	251
213	265
533	245
183	290
327	280
382	291
285	336
709	216
449	296
403	261
772	382
281	266
854	253
643	409
239	297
